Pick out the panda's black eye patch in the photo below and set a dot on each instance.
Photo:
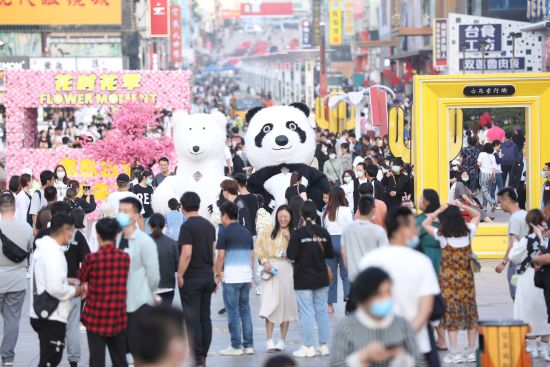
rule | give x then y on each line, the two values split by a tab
263	132
291	125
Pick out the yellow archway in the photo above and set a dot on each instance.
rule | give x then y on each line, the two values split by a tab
436	98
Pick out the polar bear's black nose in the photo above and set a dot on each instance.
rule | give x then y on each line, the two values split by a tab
281	140
196	148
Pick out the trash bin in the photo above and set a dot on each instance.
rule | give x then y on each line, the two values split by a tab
502	344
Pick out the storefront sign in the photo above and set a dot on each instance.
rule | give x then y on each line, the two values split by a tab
158	17
480	37
12	63
489	90
316	34
441	40
349	19
60	12
175	34
335	22
492	63
306	34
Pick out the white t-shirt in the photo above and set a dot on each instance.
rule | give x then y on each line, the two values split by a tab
115	197
487	162
457	242
343	217
413	277
348	190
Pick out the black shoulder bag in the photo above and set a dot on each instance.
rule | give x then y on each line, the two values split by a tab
11	250
44	304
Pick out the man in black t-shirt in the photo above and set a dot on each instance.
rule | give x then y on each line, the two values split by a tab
230	190
250	200
144	191
195	274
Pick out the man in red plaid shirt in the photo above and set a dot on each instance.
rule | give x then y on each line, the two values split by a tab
104	274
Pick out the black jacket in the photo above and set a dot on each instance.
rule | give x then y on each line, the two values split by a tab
317	182
397	183
87	207
516	174
379	192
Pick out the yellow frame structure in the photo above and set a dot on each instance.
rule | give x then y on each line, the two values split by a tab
436	95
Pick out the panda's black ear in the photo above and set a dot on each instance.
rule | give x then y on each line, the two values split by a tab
251	112
302	107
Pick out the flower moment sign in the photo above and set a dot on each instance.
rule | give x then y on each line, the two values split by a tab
27	90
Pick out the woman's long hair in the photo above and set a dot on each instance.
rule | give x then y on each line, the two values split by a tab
452	223
295	178
309	213
295	205
65	179
432	197
277	227
157	223
336	199
534	217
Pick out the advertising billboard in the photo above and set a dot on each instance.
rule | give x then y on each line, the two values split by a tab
158	17
60	12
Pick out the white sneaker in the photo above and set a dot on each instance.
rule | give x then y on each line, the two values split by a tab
323	350
231	352
304	352
452	358
7	364
270	346
471	357
258	290
281	345
249	351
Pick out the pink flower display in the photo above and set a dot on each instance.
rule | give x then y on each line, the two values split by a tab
127	140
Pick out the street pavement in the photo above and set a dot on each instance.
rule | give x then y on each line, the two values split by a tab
493	303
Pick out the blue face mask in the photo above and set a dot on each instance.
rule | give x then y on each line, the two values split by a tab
123	219
149	181
413	243
381	309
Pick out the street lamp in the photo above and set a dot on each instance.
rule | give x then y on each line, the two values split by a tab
513	36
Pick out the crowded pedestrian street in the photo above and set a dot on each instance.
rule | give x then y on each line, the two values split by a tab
274	183
493	303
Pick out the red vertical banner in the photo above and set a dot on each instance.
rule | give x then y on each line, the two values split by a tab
158	18
175	34
379	109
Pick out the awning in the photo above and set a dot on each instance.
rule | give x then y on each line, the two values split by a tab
408	54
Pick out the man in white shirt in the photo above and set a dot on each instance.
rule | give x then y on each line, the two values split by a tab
413	276
49	274
123	184
38	200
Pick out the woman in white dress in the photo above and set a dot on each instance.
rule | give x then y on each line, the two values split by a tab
348	185
529	305
278	303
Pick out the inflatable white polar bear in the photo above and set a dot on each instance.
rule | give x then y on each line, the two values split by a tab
199	141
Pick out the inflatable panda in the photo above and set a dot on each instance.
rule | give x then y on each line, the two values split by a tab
199	143
280	140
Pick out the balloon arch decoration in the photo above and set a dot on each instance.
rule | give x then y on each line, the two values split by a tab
28	90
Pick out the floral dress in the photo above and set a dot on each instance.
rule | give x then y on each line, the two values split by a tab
456	280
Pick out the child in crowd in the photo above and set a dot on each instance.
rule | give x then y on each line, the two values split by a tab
174	219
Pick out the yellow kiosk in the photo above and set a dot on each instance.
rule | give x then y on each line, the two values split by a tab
436	135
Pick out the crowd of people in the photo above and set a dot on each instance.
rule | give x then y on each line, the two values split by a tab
407	273
69	127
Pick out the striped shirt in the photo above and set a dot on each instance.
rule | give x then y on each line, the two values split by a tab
357	331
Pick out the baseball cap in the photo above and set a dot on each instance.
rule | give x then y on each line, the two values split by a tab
123	178
455	162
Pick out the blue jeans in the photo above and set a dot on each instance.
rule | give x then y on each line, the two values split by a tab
499	185
312	304
473	183
236	301
334	264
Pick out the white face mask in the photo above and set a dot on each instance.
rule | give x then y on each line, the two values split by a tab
347	179
239	153
396	169
359	174
332	156
61	175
